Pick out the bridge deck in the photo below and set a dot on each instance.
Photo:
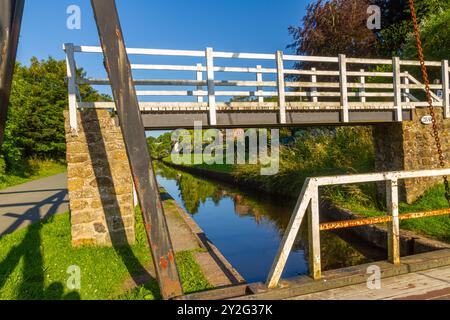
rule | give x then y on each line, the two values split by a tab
433	284
231	89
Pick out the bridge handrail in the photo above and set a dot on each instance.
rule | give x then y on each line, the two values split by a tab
308	202
352	89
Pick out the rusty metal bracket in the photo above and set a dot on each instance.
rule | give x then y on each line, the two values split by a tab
119	72
343	224
11	12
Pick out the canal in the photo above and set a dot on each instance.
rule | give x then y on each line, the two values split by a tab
247	226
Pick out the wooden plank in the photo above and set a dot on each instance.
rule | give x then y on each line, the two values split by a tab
119	72
290	235
259	78
407	91
11	12
211	86
314	89
446	88
343	87
281	87
362	91
315	268
394	225
72	86
397	89
199	78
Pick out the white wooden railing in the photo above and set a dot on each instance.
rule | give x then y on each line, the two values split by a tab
348	89
309	201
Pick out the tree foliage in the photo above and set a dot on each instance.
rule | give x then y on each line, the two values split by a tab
435	36
331	27
397	22
35	124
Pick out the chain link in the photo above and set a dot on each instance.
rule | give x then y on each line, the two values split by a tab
429	99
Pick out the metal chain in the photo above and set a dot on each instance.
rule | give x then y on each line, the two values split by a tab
429	99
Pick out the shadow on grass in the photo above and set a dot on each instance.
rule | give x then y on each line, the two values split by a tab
29	249
103	173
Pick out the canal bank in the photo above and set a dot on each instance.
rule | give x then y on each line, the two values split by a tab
372	235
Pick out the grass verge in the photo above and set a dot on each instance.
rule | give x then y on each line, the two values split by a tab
36	169
34	263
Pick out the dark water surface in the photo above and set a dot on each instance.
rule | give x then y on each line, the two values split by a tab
247	226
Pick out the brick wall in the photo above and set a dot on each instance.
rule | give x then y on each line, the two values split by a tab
99	181
411	146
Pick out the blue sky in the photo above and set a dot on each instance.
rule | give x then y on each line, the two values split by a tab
225	25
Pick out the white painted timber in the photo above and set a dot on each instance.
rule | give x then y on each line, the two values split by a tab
211	86
72	86
446	88
343	86
397	89
281	87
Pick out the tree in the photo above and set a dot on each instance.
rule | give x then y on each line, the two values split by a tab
35	125
332	27
435	36
397	22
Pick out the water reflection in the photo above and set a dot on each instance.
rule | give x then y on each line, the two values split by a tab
247	226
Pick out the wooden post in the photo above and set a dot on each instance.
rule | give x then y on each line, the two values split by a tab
259	89
290	235
121	79
446	88
397	89
362	91
314	89
314	236
407	91
11	12
72	86
281	87
394	226
343	86
211	86
199	78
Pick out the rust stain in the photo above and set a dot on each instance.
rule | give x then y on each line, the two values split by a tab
367	221
170	256
148	227
164	264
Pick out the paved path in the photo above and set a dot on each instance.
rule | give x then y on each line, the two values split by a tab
27	203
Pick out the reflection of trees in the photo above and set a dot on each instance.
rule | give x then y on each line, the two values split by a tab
194	192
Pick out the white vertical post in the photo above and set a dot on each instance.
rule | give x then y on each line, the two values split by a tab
343	86
407	91
446	89
315	268
259	89
281	86
72	86
362	91
314	89
199	78
211	86
394	226
397	89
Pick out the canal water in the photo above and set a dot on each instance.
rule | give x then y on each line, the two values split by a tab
247	226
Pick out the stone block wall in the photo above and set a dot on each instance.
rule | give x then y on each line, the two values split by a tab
410	146
99	181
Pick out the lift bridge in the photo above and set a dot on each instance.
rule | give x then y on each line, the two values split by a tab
340	92
271	92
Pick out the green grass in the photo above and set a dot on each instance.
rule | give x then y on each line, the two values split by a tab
227	168
34	263
434	227
36	169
